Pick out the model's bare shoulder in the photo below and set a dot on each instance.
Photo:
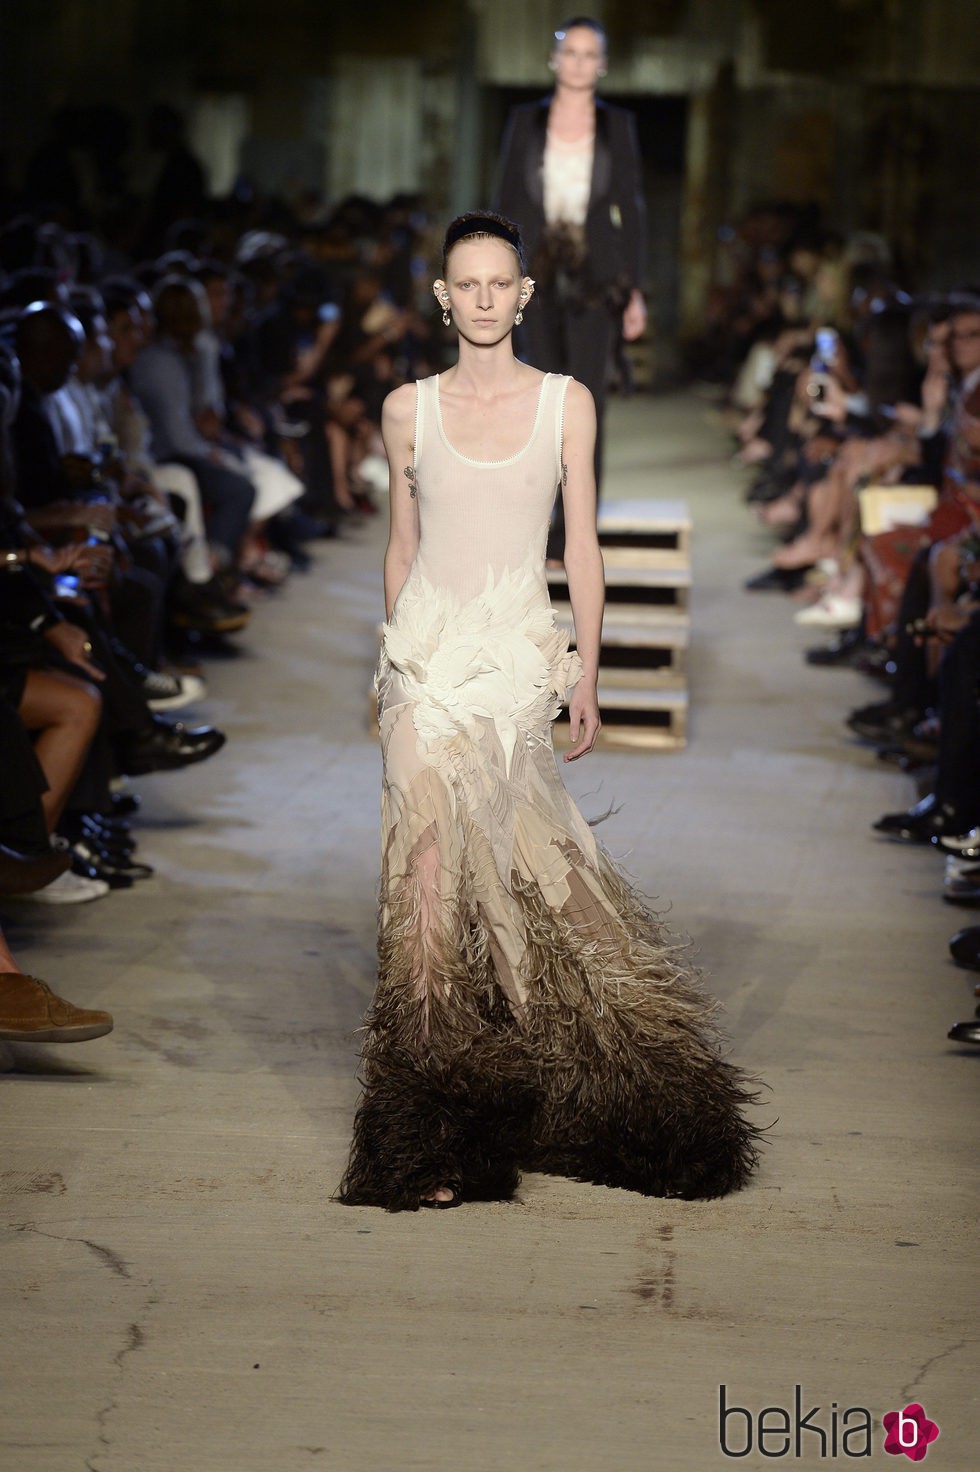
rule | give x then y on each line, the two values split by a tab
398	409
578	399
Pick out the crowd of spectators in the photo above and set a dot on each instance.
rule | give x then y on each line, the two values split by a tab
190	397
856	409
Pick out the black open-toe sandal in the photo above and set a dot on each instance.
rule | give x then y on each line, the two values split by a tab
456	1199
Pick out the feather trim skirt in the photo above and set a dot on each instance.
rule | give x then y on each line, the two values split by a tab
531	1012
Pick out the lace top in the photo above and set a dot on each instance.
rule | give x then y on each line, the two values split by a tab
567	180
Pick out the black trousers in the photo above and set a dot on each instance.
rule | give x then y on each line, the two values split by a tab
912	687
562	338
227	498
958	776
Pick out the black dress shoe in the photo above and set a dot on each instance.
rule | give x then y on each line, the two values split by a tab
205	609
966	1032
119	850
885	723
875	660
839	651
165	747
964	947
27	873
777	580
920	823
95	867
98	863
107	833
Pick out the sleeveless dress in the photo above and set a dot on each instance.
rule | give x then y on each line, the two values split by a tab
530	1010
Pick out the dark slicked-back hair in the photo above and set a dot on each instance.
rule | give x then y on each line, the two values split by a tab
588	23
483	225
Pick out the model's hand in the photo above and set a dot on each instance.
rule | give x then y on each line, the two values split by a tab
583	719
634	317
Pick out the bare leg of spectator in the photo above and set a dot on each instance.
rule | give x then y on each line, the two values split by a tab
64	712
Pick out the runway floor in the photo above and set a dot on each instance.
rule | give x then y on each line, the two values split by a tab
181	1292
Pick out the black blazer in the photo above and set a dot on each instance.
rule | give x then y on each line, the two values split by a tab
615	226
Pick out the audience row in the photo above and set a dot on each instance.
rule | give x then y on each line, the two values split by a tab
856	409
174	434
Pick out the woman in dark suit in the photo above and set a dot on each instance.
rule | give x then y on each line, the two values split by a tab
570	176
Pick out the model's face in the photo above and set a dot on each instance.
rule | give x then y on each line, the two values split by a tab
483	289
964	342
579	59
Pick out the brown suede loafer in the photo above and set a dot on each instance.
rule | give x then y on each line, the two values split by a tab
31	1013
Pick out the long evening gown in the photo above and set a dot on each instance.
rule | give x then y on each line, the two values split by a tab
530	1010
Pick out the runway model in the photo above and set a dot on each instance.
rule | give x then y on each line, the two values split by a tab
570	175
530	1011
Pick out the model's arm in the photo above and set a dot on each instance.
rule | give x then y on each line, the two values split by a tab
398	433
634	226
583	561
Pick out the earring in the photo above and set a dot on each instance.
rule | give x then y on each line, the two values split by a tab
446	319
520	317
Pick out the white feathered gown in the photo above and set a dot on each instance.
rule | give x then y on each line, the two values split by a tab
530	1010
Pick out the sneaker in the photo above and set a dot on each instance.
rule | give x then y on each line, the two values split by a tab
961	882
832	611
31	1013
69	889
164	691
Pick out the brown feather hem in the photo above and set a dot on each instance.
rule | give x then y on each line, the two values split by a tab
610	1070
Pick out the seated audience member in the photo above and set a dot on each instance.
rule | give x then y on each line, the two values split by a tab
288	344
65	488
950	813
197	600
162	379
232	431
58	657
29	865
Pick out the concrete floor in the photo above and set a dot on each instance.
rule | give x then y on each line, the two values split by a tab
179	1289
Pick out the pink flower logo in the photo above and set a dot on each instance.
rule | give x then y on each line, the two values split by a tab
909	1431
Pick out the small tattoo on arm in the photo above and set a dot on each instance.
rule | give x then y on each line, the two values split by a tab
410	477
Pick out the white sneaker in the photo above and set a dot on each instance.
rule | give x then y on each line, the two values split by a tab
832	611
172	692
69	889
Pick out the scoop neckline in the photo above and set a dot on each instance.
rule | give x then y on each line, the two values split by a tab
469	458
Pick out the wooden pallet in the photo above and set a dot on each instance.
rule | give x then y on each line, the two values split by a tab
646	548
648	651
631	718
645	588
645	534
